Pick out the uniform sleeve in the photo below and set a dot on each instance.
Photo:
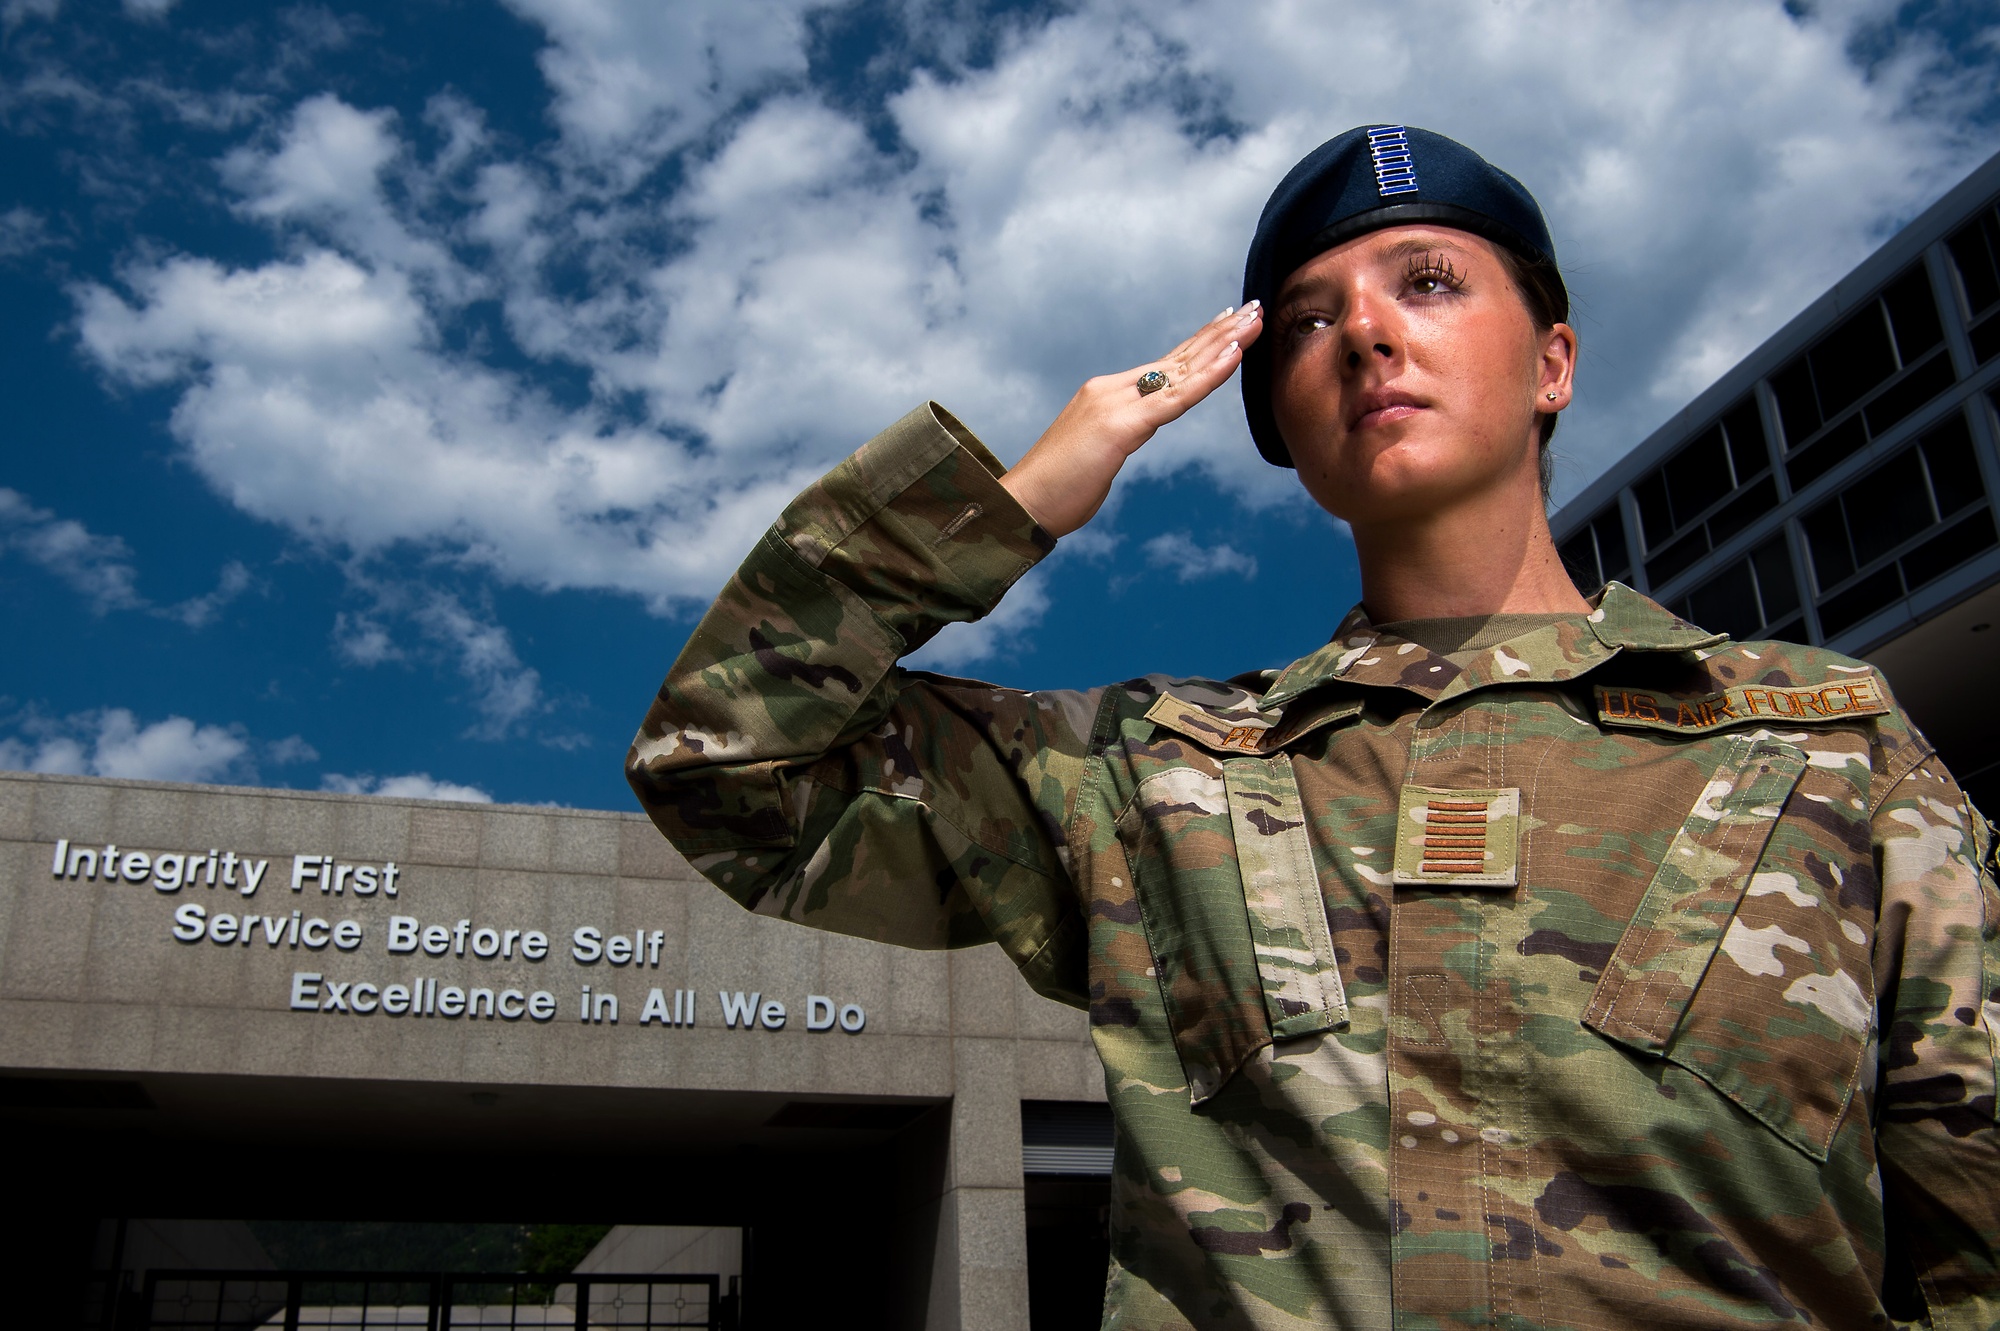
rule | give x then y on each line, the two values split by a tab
1937	965
809	777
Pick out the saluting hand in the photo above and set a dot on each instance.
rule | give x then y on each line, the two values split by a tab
1064	478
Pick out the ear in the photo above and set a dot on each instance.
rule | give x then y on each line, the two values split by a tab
1556	369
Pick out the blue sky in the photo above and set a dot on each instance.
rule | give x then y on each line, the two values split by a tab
389	386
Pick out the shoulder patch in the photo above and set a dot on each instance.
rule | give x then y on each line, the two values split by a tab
1813	704
1241	729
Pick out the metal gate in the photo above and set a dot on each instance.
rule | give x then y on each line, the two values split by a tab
372	1300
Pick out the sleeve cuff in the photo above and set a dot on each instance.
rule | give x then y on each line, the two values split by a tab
917	524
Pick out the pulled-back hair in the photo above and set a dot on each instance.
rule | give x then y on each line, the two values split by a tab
1540	284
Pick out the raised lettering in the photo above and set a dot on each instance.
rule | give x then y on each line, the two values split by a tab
737	1011
189	924
402	933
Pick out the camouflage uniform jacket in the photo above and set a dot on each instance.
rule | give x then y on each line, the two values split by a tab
1624	976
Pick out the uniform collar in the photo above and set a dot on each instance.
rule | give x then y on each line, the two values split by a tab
1620	620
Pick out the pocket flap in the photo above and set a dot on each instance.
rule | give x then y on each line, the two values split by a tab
1738	966
1223	868
1652	974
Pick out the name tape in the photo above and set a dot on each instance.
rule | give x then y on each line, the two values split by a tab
1815	704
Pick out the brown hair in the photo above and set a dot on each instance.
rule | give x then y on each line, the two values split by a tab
1541	287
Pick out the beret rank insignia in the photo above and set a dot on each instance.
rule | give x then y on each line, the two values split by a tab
1395	169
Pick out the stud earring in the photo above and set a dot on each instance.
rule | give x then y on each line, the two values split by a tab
1552	397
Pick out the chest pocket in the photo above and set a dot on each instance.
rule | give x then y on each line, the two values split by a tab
1230	899
1748	961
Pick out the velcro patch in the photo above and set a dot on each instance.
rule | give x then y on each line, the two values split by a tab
1458	837
1815	704
1240	730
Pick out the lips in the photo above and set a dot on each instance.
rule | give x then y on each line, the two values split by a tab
1381	406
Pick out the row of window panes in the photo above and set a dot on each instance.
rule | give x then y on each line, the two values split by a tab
1595	554
1824	394
1710	489
1975	252
1681	504
1926	507
1756	597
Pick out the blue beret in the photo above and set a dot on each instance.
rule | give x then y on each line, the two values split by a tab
1364	180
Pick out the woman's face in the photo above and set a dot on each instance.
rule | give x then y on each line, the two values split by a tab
1408	376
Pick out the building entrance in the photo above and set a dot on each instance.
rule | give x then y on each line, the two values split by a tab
224	1004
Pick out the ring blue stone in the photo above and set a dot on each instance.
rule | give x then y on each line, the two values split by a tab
1152	381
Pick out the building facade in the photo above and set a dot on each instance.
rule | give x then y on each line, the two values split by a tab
1841	485
229	1003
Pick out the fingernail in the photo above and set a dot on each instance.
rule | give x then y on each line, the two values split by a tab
1230	350
1227	311
1252	308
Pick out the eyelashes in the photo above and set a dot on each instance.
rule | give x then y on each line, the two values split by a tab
1430	273
1433	268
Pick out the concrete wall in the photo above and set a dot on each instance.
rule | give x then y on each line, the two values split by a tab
93	981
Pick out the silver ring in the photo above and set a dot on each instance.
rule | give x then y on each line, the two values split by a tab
1152	381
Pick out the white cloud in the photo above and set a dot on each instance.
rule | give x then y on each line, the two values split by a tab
149	9
111	742
14	12
23	231
291	749
411	786
507	692
100	567
97	567
1178	551
363	640
200	611
633	81
1070	208
326	173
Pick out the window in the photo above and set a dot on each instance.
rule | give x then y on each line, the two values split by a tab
1596	554
1914	518
1756	597
1714	487
1887	358
1975	252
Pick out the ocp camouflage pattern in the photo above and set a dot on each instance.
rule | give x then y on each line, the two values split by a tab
1719	1051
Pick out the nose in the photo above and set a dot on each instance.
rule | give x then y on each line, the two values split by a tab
1368	334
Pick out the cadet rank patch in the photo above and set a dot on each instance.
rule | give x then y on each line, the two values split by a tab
1814	704
1449	837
